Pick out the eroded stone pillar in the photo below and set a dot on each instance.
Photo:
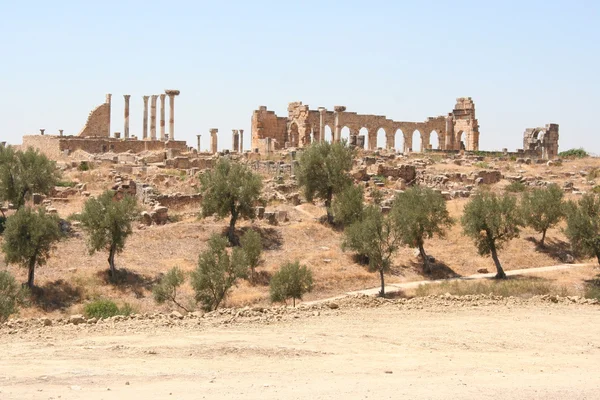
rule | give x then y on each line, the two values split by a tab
338	123
126	116
60	132
145	123
153	99
322	112
163	98
42	132
172	94
241	140
198	136
213	140
235	140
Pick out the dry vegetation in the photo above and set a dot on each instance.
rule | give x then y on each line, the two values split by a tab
72	277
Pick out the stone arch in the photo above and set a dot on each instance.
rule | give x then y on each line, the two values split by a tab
345	134
293	137
417	141
434	140
381	139
328	134
399	140
461	138
364	132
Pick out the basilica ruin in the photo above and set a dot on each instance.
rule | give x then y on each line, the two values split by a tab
459	130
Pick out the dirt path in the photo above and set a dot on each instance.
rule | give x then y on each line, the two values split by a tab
530	351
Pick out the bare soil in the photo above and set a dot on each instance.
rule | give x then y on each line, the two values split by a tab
418	349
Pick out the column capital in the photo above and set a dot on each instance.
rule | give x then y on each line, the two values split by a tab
126	96
339	109
213	131
172	92
145	98
162	96
322	110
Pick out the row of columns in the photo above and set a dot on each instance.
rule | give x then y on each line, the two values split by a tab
153	100
237	140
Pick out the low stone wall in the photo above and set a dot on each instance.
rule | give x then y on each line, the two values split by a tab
54	146
177	201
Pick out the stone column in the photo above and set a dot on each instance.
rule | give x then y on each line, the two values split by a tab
145	123
162	116
449	143
241	140
322	112
42	132
198	136
126	115
153	116
60	132
213	140
338	123
235	140
172	94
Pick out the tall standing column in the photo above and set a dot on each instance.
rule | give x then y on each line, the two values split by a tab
172	94
241	140
126	115
213	140
153	116
235	140
198	136
322	112
338	123
145	123
162	116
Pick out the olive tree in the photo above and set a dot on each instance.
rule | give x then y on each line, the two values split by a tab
107	220
323	171
166	289
29	237
583	225
291	281
230	189
375	237
23	173
252	248
543	208
348	206
217	272
12	295
492	221
420	213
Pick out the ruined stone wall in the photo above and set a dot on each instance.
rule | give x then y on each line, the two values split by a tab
48	145
54	146
458	130
265	124
98	122
542	142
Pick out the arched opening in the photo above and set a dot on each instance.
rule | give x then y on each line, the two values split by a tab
364	132
416	141
328	137
460	139
381	139
399	141
434	140
345	135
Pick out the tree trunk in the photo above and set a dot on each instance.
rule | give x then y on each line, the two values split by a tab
598	257
328	205
231	230
382	292
294	301
543	238
500	272
31	274
426	266
111	262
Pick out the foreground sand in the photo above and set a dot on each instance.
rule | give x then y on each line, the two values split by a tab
429	350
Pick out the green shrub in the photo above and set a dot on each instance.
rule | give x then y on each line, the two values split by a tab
252	248
482	164
166	289
595	189
84	166
12	295
291	281
348	205
2	224
574	153
516	187
127	309
69	184
101	309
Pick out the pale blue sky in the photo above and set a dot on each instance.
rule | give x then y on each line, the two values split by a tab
524	63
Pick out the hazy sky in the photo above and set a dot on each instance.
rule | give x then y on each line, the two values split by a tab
524	63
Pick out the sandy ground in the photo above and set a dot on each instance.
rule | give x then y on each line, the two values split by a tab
523	351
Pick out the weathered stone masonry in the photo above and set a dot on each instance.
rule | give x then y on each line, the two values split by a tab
458	130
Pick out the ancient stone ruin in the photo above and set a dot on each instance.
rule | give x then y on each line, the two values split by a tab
541	142
458	130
